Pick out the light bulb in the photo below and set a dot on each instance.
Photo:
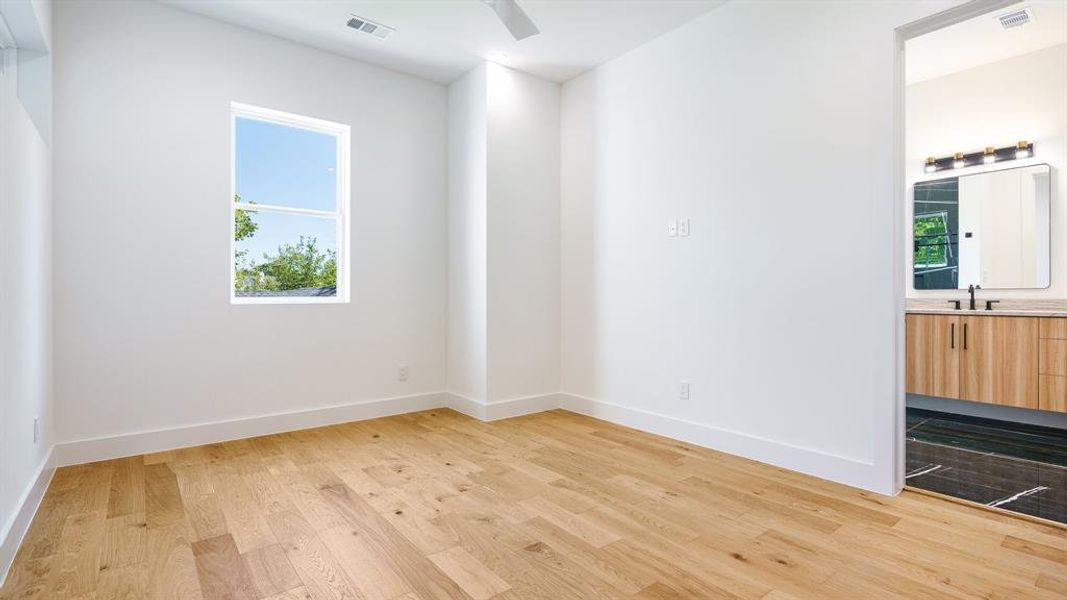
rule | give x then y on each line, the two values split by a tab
1022	149
990	155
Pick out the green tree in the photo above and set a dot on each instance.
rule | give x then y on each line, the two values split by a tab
293	266
244	225
299	265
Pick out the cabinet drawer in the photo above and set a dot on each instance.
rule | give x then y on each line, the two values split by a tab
1053	357
1053	393
1054	328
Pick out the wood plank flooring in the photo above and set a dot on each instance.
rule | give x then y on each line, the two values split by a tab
554	505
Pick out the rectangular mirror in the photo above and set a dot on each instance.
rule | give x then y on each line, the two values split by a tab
988	229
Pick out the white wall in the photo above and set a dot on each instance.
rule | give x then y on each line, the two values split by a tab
504	265
524	234
998	104
770	126
467	260
25	280
145	335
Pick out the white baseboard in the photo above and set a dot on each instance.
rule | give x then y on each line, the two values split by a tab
503	409
468	406
19	523
516	407
804	460
132	444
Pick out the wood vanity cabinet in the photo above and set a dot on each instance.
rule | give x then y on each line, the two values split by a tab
932	355
999	360
977	358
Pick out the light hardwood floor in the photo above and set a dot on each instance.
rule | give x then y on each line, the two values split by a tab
554	505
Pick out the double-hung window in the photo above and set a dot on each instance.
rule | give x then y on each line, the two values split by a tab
289	208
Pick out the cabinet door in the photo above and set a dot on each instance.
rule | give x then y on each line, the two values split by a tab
932	355
999	361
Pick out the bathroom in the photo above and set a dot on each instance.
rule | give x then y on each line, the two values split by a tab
986	261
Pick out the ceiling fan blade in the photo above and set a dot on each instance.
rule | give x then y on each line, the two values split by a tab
514	18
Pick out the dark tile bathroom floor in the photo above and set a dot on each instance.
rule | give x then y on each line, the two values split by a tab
1015	467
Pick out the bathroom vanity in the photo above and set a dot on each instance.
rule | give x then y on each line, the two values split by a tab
983	232
1008	358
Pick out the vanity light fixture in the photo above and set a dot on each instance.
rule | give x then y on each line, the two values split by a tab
989	155
1023	149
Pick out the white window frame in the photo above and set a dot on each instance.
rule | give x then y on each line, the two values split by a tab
342	133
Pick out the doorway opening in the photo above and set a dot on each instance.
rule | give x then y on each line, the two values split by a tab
983	177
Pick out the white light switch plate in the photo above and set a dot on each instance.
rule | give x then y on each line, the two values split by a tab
672	228
683	228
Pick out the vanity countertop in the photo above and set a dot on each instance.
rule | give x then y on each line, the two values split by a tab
1013	307
996	312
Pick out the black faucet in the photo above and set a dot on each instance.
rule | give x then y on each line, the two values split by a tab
970	290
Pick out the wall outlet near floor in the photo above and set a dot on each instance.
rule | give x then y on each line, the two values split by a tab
36	429
672	228
402	373
683	390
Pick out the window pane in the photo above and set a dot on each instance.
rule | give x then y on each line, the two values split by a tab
285	166
284	255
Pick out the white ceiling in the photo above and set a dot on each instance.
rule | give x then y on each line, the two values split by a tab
982	40
442	39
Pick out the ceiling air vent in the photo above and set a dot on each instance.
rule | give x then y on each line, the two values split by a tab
1016	18
370	27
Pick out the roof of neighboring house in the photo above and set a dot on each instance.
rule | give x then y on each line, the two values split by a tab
330	290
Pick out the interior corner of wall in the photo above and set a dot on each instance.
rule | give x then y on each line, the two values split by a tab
468	406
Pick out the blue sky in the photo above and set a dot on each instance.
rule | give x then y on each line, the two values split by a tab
286	166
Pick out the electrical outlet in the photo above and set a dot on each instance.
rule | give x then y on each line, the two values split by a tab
683	390
672	228
402	373
36	429
683	228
